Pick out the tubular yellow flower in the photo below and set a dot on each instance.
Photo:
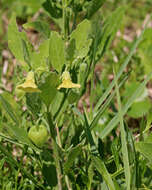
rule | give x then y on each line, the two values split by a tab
66	81
29	84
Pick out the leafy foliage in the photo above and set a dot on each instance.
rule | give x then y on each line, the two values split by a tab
86	125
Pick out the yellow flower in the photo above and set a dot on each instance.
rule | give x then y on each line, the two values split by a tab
66	81
29	84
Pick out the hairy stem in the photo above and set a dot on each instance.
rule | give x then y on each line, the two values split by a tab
57	163
55	150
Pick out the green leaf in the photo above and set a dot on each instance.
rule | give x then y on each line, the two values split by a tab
85	49
32	6
115	151
130	88
33	103
100	166
138	109
82	71
52	9
1	23
110	126
15	106
48	86
8	139
50	175
39	26
15	164
110	27
44	49
90	175
124	65
8	108
123	138
149	121
132	157
73	96
145	149
89	135
48	168
15	40
57	101
2	163
73	153
80	35
56	51
70	50
144	50
93	7
104	107
20	134
26	53
39	58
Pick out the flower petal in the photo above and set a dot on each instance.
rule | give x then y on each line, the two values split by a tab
68	84
29	84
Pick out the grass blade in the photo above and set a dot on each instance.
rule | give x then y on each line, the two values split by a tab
104	107
88	132
9	110
72	155
100	166
132	158
9	139
21	135
14	163
128	58
123	137
110	126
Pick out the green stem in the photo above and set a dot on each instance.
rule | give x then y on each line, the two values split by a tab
55	150
51	124
59	142
57	163
74	21
92	90
67	182
65	20
61	105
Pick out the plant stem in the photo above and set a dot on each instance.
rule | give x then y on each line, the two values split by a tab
52	126
61	105
58	136
55	150
59	142
74	21
67	182
65	20
92	90
57	163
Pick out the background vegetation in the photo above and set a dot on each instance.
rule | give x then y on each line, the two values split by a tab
96	137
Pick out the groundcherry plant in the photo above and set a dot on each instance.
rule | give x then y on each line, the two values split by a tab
43	118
